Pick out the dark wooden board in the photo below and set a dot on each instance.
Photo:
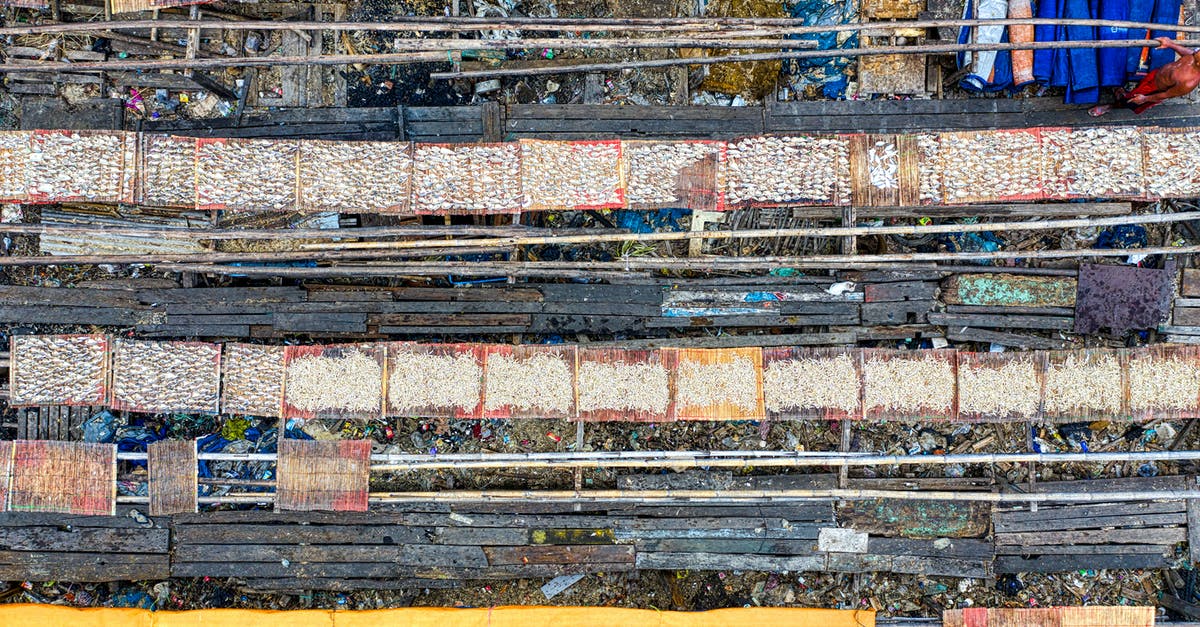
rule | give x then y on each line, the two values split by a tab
504	556
1066	563
91	540
916	519
250	533
1002	321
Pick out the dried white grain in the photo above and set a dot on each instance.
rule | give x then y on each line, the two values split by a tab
623	386
812	383
419	380
1081	383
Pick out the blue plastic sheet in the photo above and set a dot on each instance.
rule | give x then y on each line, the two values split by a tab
829	74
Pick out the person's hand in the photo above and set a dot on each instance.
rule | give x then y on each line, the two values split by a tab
1164	41
1138	99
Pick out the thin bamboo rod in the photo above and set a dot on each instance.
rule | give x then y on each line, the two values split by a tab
790	26
708	264
17	66
855	231
206	233
804	54
240	257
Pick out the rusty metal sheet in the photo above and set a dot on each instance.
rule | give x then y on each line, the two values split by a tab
1009	290
1122	298
917	519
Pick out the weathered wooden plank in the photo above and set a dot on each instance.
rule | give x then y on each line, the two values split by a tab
404	554
1007	516
251	533
724	561
1193	526
385	570
1086	549
1189	285
17	295
320	322
52	314
84	540
1185	316
1001	321
998	290
916	519
1027	311
1096	522
961	548
43	566
450	320
806	531
503	556
481	536
896	312
797	512
194	330
1154	535
1066	563
1013	340
763	546
345	584
904	290
270	294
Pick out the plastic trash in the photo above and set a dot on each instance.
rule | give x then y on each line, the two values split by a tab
101	427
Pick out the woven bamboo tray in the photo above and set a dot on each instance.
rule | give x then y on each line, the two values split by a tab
58	370
909	385
1170	159
64	477
467	179
560	176
341	381
884	170
1084	385
1163	382
155	377
623	385
435	380
323	475
812	383
354	177
717	384
252	379
81	166
674	174
532	381
999	387
167	177
247	174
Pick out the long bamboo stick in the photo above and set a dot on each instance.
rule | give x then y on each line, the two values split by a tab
205	233
241	257
789	26
804	54
704	264
855	231
18	66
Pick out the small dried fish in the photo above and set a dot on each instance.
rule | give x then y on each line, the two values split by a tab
78	165
809	384
1093	163
166	376
1171	170
246	174
1008	389
734	382
782	170
169	171
370	177
1170	384
58	369
990	165
252	379
1081	383
349	382
910	385
929	169
466	179
622	386
656	169
571	175
539	382
419	380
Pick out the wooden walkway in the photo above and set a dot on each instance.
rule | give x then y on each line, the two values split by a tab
426	546
492	122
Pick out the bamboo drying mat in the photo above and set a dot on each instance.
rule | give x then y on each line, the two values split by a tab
354	177
64	477
323	475
564	176
846	390
931	399
780	170
174	482
1169	392
154	377
651	380
457	179
991	166
247	174
327	378
1107	162
1074	394
1170	160
884	170
167	176
415	381
520	391
1090	616
82	166
14	165
252	379
6	472
58	370
661	176
980	384
137	6
929	168
683	360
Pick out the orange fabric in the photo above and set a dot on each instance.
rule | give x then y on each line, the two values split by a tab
53	615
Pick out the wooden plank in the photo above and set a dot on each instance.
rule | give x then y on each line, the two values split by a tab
404	554
320	322
502	556
1027	311
389	330
1002	517
1097	522
343	584
905	290
89	540
384	570
1186	316
1158	535
1190	283
798	512
1193	526
173	476
962	548
1002	321
83	567
765	546
723	561
271	294
1066	563
485	536
916	519
250	533
1087	549
998	290
765	320
52	314
1013	340
450	320
804	531
896	313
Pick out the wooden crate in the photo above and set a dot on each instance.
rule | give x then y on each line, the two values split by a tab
717	384
812	383
64	477
154	377
435	380
529	381
58	370
340	381
623	385
909	385
323	475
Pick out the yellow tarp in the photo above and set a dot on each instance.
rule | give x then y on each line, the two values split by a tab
52	616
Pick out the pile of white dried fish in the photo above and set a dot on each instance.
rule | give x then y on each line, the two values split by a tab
58	369
539	382
657	170
1080	383
252	379
1004	390
166	376
168	171
14	165
929	167
466	179
624	386
1093	162
908	384
246	174
733	382
81	165
1171	162
563	175
349	381
1163	383
786	170
371	177
990	165
419	380
809	384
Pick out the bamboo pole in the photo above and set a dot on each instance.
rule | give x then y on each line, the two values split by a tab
239	257
785	26
18	66
804	54
709	264
202	233
855	231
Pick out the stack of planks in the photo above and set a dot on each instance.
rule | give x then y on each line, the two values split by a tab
46	547
56	422
1185	316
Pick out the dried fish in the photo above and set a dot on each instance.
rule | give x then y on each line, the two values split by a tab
571	175
1083	382
467	178
733	382
354	176
350	381
418	380
908	385
166	376
246	174
1163	384
1171	170
990	165
58	369
14	164
252	379
805	384
785	170
539	382
169	171
1093	163
929	169
1002	390
624	386
657	169
78	165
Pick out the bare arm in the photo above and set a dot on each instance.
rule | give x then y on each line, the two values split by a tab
1168	43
